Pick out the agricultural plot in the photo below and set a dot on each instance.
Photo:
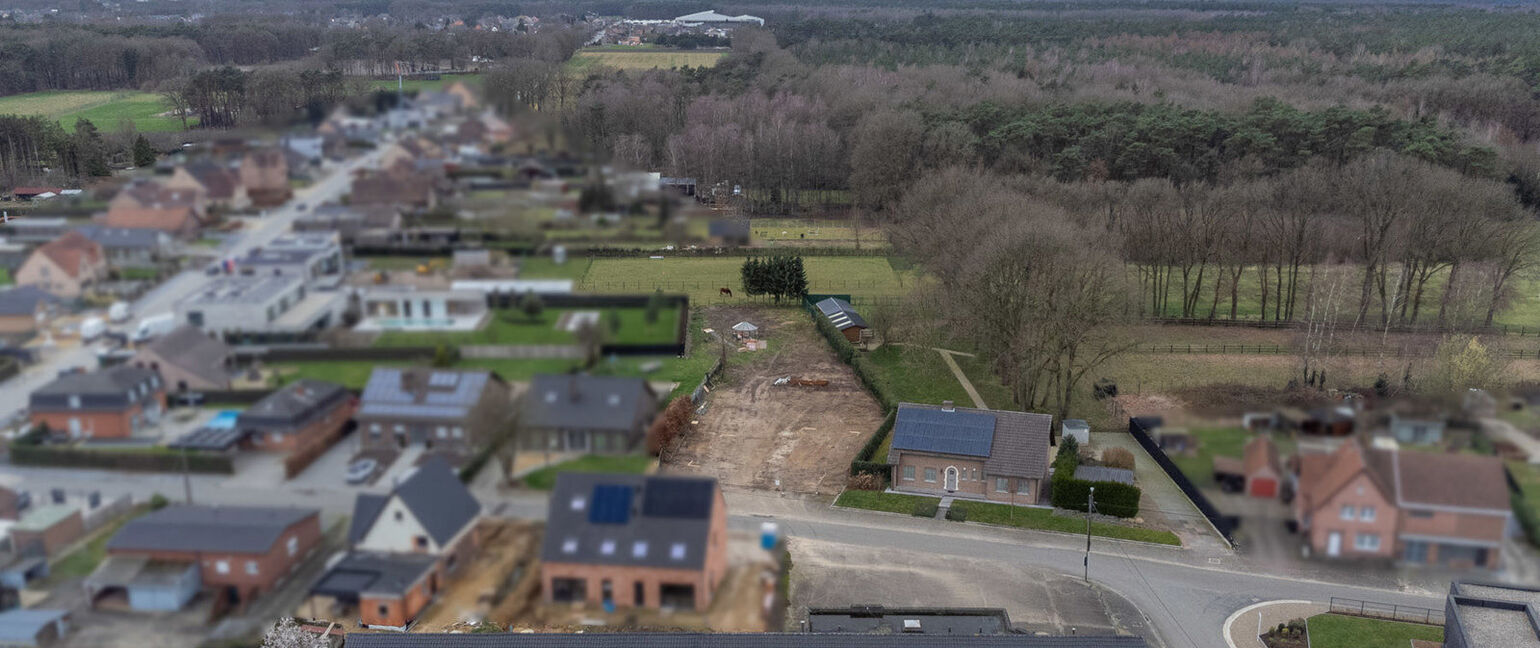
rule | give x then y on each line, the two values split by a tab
473	80
107	109
829	233
641	59
702	278
553	326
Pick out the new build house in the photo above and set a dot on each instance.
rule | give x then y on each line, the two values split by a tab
113	403
578	413
233	306
962	451
402	546
634	541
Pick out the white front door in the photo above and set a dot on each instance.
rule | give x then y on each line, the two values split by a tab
951	478
74	428
1334	544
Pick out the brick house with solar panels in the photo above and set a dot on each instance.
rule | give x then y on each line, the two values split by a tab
297	415
402	548
634	541
441	409
962	451
844	317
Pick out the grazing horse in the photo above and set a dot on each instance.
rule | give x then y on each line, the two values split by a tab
725	291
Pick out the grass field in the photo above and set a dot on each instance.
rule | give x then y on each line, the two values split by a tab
81	562
1338	631
1528	478
545	478
888	502
702	277
542	267
588	60
512	327
920	375
1045	520
799	230
417	85
105	108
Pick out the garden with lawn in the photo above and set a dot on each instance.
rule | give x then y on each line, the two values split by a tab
1047	520
1342	631
621	325
917	505
545	478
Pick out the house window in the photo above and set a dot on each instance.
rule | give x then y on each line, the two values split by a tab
1002	485
458	432
1023	487
222	567
569	546
909	473
293	545
639	549
251	567
422	542
1366	514
400	516
676	551
384	610
975	474
930	475
74	402
1348	512
1419	513
607	547
443	432
1367	541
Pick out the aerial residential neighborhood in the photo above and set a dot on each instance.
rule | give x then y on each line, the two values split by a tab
1084	325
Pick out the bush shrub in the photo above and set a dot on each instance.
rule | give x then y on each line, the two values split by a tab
926	508
669	425
1118	458
146	461
1112	498
1528	521
158	502
957	514
865	482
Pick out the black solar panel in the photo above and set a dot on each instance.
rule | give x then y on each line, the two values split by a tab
677	498
611	505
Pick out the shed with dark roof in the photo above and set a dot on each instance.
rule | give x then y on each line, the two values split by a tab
843	316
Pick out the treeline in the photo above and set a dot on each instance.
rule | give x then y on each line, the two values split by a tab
30	147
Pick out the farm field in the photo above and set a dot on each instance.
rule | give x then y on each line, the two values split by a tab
416	85
702	277
513	327
105	108
800	231
587	60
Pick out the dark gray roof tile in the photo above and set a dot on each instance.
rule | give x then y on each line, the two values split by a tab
233	529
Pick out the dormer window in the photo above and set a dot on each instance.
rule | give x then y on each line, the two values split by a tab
550	397
676	551
578	503
569	546
607	547
74	402
639	549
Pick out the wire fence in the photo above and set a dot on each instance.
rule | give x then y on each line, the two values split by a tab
1373	609
736	286
1284	349
1498	329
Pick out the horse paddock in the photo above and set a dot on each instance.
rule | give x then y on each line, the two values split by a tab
757	434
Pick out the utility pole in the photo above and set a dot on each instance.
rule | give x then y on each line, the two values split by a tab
1090	507
186	478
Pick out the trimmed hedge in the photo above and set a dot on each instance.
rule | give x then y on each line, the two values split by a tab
865	461
858	363
1527	519
155	461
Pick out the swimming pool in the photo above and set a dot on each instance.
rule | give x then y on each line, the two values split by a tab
224	420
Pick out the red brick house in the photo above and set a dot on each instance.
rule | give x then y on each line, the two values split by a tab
47	530
145	204
1259	461
962	451
1409	506
113	403
65	266
265	176
402	548
243	551
301	413
634	541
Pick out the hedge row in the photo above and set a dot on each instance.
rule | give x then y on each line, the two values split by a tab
848	355
1112	498
1527	518
866	461
156	461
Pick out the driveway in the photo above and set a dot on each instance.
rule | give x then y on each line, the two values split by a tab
1163	503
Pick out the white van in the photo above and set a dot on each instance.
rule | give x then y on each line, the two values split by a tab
92	328
118	312
154	326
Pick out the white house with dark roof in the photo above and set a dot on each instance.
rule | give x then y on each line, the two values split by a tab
988	454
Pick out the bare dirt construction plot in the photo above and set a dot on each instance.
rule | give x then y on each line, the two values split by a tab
757	434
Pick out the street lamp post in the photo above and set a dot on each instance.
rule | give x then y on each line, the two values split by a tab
1090	507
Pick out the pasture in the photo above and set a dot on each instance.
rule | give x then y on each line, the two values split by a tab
147	111
589	60
472	79
701	278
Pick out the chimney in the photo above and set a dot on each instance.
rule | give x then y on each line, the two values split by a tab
947	406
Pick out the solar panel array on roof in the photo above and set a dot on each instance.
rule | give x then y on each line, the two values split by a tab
611	504
959	433
677	498
449	394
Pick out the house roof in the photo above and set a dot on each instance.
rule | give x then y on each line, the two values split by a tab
22	626
1011	443
219	181
840	313
109	389
1260	453
362	572
152	194
630	520
190	349
297	401
168	218
1445	479
421	392
24	300
434	495
122	237
71	252
585	402
231	529
727	640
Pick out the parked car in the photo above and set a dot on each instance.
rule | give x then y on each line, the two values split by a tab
118	312
360	471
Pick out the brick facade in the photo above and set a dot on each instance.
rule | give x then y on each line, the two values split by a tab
322	426
972	479
1360	495
235	569
53	539
95	424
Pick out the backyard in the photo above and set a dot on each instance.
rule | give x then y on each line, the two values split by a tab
1198	464
551	326
1341	631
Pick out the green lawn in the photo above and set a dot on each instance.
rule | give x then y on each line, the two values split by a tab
545	478
1219	442
402	263
701	277
350	374
418	85
512	327
105	108
1339	631
1045	520
1528	478
542	267
889	502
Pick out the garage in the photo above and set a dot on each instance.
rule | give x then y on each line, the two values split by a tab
1261	467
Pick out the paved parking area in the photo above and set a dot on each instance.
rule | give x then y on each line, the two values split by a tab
1163	503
